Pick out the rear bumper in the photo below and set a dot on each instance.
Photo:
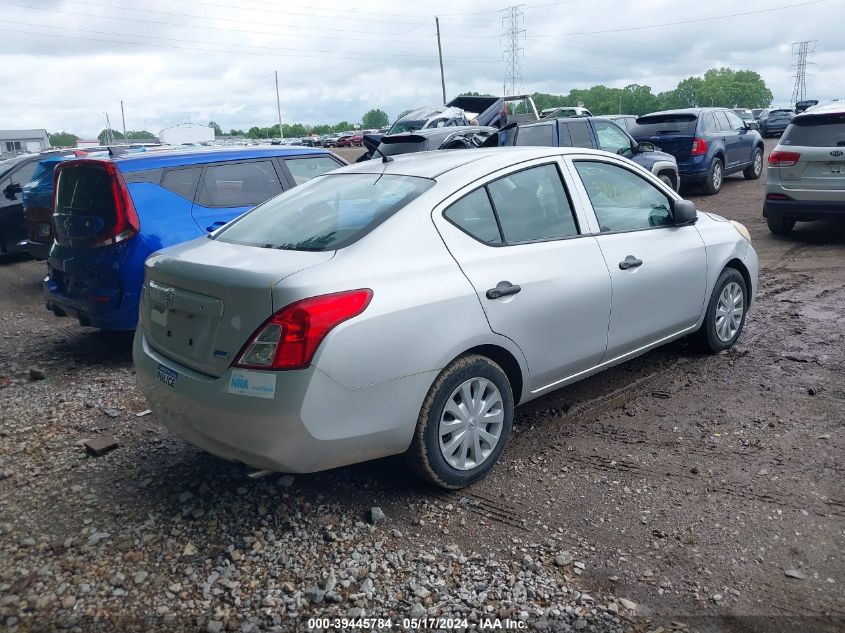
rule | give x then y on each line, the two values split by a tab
39	250
804	209
310	423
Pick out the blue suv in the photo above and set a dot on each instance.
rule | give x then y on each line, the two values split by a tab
708	143
111	213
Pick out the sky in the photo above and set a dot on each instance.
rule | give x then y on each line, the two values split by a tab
64	63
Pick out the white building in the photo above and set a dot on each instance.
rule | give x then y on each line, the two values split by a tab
14	142
186	133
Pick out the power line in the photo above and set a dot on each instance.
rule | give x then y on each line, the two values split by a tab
802	50
512	19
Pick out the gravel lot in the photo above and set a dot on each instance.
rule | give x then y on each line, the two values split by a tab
684	491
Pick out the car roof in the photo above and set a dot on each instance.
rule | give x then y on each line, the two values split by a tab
436	163
444	131
833	107
198	156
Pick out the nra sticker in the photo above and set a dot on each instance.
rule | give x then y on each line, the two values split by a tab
252	383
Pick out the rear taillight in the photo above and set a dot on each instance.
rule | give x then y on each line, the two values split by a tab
783	159
289	339
699	147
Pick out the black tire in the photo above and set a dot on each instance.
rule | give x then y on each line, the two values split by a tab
424	455
715	177
707	338
755	169
780	226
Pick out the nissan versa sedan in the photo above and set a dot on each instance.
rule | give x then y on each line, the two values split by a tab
407	305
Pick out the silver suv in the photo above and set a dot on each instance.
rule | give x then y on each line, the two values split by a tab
806	177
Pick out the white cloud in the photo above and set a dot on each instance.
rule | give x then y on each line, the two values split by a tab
64	62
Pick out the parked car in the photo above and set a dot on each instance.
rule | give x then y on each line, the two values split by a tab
513	272
111	213
806	175
625	121
563	112
774	122
708	143
37	198
755	113
468	110
330	140
801	106
15	173
599	133
747	115
349	139
462	137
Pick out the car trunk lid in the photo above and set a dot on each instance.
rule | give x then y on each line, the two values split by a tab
820	142
203	300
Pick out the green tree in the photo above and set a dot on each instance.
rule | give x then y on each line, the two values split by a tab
218	131
322	129
343	126
106	135
138	135
375	119
234	132
63	139
254	132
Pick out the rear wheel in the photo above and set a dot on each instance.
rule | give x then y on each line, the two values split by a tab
464	423
753	171
715	177
780	226
725	312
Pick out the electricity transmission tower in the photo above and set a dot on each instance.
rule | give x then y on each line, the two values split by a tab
512	19
802	50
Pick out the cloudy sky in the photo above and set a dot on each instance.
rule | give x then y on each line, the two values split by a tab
63	63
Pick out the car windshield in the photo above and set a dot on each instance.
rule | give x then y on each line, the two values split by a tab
816	130
406	126
327	213
665	124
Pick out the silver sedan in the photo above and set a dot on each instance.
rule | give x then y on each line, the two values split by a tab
407	305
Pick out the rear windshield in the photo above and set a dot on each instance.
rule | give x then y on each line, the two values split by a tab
86	190
816	131
780	114
326	213
665	124
406	126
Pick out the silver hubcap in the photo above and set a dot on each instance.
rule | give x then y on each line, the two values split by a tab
729	311
717	175
758	163
471	423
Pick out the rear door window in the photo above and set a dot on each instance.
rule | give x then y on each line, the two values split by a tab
474	215
580	133
182	182
532	205
541	134
816	131
735	122
722	122
239	184
304	169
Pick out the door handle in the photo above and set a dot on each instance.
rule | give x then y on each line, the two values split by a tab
214	226
502	289
630	262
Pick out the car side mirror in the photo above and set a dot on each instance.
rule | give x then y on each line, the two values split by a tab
753	125
12	190
684	212
645	146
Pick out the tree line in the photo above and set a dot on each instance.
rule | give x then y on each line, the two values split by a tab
723	87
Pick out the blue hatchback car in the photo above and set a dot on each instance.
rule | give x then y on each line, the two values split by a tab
111	213
708	143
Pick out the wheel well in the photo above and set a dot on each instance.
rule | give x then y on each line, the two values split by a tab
738	265
504	359
720	156
672	176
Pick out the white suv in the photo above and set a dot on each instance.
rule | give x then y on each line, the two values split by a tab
806	177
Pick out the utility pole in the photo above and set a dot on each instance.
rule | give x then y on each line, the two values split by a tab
109	133
279	107
512	18
802	50
123	117
440	54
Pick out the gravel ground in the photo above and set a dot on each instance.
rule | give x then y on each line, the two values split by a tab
679	491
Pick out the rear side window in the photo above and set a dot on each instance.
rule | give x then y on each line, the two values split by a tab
658	124
816	131
580	134
532	205
182	182
304	169
722	121
239	184
86	190
327	213
541	134
474	215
